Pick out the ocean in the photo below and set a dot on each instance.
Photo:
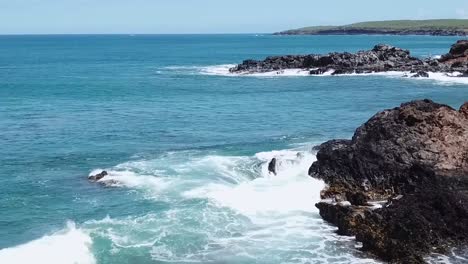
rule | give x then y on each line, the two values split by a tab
186	143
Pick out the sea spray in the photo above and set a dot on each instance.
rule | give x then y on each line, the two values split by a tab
230	207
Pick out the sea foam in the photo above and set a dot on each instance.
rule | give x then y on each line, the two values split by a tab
223	70
289	191
70	245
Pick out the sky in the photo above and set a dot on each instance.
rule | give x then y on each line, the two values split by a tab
207	16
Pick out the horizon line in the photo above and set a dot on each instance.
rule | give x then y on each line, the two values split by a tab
131	34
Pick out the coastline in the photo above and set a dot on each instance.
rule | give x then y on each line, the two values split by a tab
186	143
373	33
382	58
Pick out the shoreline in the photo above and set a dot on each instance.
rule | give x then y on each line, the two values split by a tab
364	33
382	58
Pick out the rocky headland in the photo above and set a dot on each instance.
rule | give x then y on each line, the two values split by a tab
382	58
400	185
374	31
432	27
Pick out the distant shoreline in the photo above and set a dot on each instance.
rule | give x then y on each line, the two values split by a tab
441	27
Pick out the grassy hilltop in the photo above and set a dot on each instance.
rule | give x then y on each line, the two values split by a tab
441	27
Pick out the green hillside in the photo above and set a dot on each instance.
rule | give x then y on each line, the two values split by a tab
436	27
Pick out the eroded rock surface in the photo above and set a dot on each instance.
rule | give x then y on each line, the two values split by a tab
416	157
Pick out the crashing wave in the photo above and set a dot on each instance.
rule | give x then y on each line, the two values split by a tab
223	70
68	246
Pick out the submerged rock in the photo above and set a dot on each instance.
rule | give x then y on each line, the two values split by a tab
98	176
416	156
421	74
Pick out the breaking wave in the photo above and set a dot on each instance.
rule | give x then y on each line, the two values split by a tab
226	208
223	70
68	246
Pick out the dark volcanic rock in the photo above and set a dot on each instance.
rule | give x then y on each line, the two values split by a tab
356	198
98	176
421	74
418	153
460	48
272	166
395	149
457	58
429	220
380	59
346	218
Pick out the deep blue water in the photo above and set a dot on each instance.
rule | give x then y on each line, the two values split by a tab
188	147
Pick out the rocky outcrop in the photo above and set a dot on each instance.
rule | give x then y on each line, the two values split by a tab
457	57
380	59
98	176
416	157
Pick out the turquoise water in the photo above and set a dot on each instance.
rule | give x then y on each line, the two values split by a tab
186	143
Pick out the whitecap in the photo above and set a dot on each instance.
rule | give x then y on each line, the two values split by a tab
223	70
289	191
71	245
232	209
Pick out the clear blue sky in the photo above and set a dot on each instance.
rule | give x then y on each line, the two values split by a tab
208	16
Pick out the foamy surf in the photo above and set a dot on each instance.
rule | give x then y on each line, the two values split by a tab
232	209
291	190
68	246
223	70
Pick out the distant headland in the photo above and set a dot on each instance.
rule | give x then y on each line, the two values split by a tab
435	27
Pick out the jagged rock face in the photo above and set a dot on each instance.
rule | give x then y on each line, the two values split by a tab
430	220
416	156
457	56
380	59
460	48
344	217
398	149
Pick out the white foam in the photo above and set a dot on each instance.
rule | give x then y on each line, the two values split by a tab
290	190
70	245
133	180
223	70
284	73
232	209
444	78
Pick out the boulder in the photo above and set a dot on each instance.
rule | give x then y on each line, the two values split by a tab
396	148
459	49
458	52
416	156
